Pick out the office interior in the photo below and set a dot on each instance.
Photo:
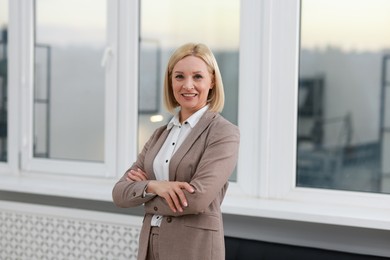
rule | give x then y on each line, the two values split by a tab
306	81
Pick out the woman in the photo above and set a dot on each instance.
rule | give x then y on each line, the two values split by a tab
182	173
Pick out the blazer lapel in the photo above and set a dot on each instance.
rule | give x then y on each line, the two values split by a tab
204	121
153	153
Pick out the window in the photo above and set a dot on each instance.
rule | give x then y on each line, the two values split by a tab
265	106
65	90
69	80
73	88
343	124
3	79
167	24
268	114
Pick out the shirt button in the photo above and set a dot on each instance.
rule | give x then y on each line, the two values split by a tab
134	193
166	161
155	208
169	219
173	143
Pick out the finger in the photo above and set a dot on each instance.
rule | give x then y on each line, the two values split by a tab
135	178
182	198
176	200
142	172
130	174
137	175
131	178
187	187
143	175
168	199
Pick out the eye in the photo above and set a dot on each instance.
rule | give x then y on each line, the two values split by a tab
179	76
198	76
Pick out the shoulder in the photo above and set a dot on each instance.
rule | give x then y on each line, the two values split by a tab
158	132
219	121
221	126
155	136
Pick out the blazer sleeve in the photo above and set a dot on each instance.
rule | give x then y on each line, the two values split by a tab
126	193
214	169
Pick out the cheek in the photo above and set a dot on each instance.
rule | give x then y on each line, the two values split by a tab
175	87
206	89
175	90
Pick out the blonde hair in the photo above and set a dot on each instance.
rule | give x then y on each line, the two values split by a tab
216	98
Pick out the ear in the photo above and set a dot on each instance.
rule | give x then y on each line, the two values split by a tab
212	83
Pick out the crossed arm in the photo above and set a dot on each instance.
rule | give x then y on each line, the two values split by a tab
185	197
212	174
171	191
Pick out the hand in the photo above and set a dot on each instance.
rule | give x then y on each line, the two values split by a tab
172	192
136	175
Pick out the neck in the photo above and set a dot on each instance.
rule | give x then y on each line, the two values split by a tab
185	114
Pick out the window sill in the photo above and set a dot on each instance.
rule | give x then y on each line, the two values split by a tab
244	205
352	216
59	185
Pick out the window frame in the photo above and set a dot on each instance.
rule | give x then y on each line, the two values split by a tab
77	180
266	187
68	167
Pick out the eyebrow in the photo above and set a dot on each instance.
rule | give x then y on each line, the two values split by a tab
195	72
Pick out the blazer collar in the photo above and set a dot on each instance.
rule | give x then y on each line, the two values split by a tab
199	128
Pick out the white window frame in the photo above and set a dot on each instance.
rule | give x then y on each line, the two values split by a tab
52	166
265	186
85	180
268	121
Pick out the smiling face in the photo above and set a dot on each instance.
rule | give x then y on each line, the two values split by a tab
191	83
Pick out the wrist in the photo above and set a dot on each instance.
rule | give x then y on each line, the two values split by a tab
147	194
150	187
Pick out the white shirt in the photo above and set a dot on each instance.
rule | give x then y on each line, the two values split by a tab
177	135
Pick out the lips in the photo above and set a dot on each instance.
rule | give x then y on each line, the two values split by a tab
188	94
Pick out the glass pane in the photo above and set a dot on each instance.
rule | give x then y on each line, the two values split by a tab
343	142
167	24
3	78
69	80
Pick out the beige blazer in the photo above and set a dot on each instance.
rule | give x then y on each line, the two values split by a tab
206	159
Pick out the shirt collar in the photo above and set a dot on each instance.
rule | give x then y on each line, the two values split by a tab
192	120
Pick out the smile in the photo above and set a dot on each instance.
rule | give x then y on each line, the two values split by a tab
189	95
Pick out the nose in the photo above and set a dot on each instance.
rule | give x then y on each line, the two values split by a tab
188	84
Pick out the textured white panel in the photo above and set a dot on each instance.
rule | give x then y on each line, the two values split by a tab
27	235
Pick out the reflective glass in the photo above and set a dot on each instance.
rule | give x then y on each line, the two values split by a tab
69	80
343	140
3	78
167	24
